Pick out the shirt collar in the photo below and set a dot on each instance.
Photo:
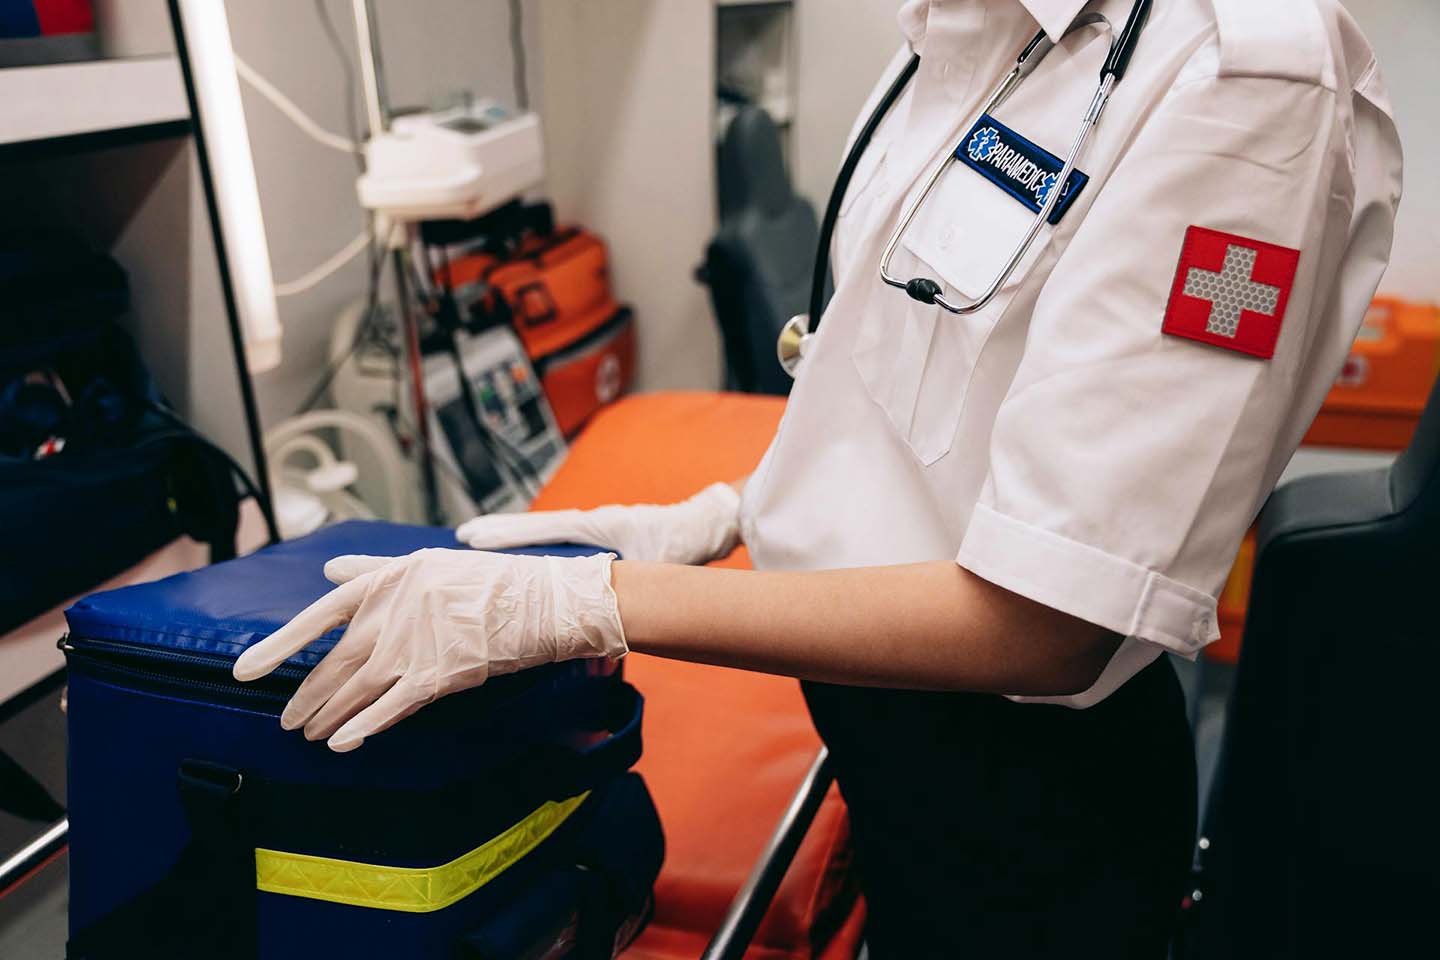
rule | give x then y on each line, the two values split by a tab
1054	16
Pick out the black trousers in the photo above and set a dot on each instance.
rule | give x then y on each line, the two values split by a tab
985	828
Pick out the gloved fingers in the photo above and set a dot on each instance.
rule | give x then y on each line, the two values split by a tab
347	568
394	705
364	687
500	531
339	665
331	610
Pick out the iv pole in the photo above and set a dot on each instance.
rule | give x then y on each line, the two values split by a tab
378	113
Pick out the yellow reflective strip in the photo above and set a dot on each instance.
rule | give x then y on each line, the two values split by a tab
409	889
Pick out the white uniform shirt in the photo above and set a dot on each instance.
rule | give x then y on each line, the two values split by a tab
1099	437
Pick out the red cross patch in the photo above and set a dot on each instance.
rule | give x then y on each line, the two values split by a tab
1231	291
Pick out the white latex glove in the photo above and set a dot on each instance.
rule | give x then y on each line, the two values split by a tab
431	623
698	530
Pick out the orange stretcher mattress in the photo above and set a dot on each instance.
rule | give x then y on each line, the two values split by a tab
724	750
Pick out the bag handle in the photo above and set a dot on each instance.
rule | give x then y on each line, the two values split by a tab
534	305
621	713
205	905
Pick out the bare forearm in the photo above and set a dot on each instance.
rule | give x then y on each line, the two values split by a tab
928	626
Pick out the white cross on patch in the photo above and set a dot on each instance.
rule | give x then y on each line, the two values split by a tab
1232	291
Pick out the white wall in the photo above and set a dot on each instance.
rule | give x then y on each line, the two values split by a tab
627	104
840	51
1406	35
430	50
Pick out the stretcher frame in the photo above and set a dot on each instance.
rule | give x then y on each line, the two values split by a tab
742	920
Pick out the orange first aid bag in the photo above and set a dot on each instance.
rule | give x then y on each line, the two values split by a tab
555	291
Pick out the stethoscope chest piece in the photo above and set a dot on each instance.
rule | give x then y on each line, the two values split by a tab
793	342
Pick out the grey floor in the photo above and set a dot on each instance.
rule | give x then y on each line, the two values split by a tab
33	917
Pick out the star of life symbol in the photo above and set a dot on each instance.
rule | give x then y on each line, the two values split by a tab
1044	186
1232	291
984	144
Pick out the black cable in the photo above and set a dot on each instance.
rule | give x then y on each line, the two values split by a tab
366	331
367	328
184	430
500	448
352	116
842	183
517	55
399	425
490	440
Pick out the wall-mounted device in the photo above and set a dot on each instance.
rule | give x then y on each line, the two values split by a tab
453	164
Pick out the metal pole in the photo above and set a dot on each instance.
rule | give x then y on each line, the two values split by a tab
415	361
33	855
227	283
748	908
367	40
371	79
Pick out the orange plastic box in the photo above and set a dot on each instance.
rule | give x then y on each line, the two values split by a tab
1379	395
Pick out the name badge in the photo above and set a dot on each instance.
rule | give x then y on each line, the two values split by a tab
1023	169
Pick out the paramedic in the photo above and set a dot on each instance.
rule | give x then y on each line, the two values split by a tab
975	536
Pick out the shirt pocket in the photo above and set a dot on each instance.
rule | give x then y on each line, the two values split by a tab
916	359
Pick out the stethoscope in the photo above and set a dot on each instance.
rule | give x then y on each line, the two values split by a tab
795	335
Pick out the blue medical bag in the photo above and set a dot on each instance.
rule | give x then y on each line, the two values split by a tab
499	823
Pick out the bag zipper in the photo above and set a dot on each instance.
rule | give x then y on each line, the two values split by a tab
207	674
586	343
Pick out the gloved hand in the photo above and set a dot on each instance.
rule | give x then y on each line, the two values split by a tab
698	530
431	623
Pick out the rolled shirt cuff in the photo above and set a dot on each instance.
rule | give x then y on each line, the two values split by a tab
1153	612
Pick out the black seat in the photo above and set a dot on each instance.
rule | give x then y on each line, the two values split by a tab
1321	837
758	265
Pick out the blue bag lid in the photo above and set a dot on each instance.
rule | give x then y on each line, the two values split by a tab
224	608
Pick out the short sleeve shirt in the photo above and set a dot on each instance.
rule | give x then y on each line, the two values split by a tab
1099	437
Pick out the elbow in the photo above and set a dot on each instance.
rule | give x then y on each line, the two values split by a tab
1067	667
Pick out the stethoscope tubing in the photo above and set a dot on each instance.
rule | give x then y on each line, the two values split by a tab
821	275
1113	71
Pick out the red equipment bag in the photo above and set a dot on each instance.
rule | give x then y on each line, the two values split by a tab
555	291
